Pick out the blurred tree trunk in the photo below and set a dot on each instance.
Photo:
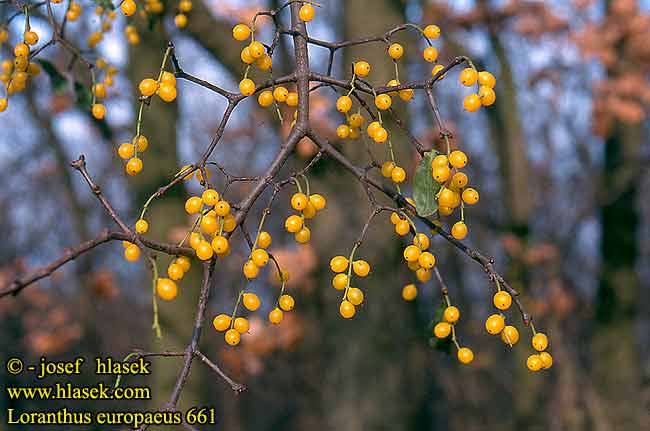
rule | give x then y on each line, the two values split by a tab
614	346
160	164
366	355
508	135
616	365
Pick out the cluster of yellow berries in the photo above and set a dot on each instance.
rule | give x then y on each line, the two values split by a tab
352	296
129	151
235	326
213	222
98	109
15	74
418	258
132	36
184	7
485	82
254	52
131	251
397	174
495	324
258	257
444	328
285	303
74	11
279	94
164	87
166	287
454	192
307	208
106	17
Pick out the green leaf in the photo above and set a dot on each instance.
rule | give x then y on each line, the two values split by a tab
59	83
425	187
83	96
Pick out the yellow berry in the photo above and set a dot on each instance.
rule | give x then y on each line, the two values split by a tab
166	289
264	240
180	20
293	223
472	102
426	260
220	245
383	101
306	12
221	322
355	296
487	95
280	94
502	300
275	316
260	257
128	7
241	325
210	197
250	270
193	205
540	342
232	337
402	227
432	31
184	263
395	51
148	87
459	230
409	292
421	241
141	226
411	253
361	268
318	201
510	335
458	159
534	362
265	98
451	314
442	330
465	355
175	271
362	68
468	76
494	324
547	360
204	250
251	301
347	310
339	264
340	281
470	196
487	79
343	104
241	32
98	111
247	87
430	54
299	201
126	151
286	302
134	166
398	175
303	235
132	253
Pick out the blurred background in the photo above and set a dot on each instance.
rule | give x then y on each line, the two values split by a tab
561	162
